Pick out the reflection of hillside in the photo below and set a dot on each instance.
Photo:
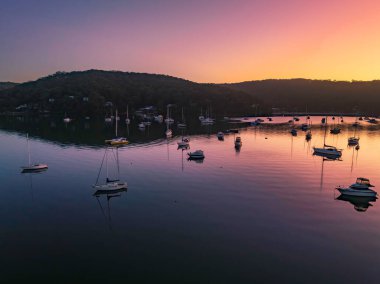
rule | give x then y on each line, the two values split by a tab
94	132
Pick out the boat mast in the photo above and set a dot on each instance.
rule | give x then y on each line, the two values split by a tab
116	125
106	165
127	112
324	138
27	141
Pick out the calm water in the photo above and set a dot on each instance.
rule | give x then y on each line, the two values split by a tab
265	214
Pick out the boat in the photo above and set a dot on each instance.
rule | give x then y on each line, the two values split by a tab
108	119
127	120
141	125
269	118
207	121
353	140
159	118
32	167
308	135
66	119
305	126
356	124
372	120
238	142
220	135
169	120
196	155
168	132
117	141
147	123
335	130
110	184
184	143
296	119
360	188
327	150
293	132
182	124
360	118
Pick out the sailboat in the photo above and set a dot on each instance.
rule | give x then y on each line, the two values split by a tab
335	129
168	131
127	120
182	124
117	140
327	151
110	184
30	167
352	141
66	119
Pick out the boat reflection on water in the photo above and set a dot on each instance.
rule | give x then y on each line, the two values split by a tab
108	194
361	203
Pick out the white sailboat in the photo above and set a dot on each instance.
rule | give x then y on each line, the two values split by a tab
327	150
127	120
110	184
32	167
117	141
168	131
182	124
66	119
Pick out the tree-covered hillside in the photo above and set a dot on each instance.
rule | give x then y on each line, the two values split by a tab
87	92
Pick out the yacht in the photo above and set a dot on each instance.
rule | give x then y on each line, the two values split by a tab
293	132
328	151
353	141
198	154
360	188
220	135
32	167
117	141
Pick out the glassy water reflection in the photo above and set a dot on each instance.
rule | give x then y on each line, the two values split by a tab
266	213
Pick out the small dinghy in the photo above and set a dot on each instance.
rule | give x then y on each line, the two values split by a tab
360	188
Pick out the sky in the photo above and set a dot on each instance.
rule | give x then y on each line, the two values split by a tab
203	41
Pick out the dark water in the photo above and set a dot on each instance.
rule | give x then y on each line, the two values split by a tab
265	214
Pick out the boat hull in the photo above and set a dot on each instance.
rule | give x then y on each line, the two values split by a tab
35	168
111	186
357	192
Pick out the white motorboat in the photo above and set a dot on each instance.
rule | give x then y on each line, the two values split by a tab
360	188
169	120
108	119
220	135
169	133
66	119
207	121
198	154
159	118
141	125
32	167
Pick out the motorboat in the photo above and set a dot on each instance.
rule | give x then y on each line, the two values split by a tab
372	120
269	118
293	132
238	142
296	119
168	133
220	135
169	120
328	151
184	143
305	126
108	119
141	125
198	154
308	136
67	120
159	118
335	130
32	167
207	121
360	188
353	141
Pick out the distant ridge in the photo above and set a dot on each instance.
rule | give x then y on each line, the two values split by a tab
7	85
315	95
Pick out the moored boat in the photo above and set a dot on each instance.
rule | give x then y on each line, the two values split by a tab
198	154
360	188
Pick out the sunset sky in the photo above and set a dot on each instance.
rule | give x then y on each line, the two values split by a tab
203	41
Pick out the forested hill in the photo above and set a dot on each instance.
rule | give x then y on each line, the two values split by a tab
6	85
87	92
315	95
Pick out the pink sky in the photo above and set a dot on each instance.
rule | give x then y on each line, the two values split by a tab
203	41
